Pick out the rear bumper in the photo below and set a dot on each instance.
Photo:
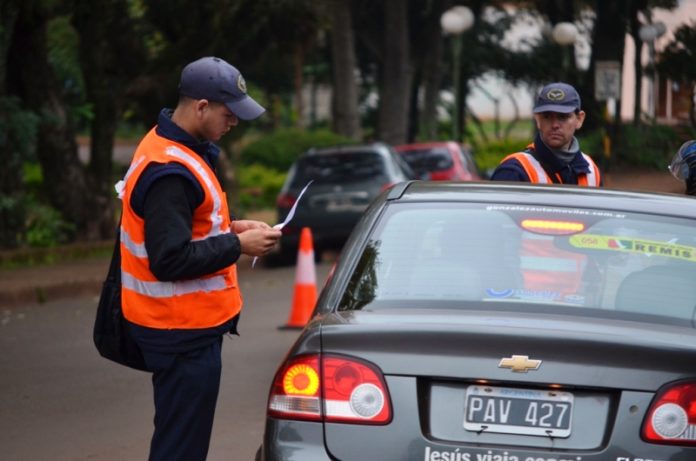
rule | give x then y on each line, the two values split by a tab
292	440
407	437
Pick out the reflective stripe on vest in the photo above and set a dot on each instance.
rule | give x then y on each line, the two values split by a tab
192	163
548	268
203	302
538	175
168	289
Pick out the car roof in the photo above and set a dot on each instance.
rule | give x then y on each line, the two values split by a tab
425	145
542	194
347	148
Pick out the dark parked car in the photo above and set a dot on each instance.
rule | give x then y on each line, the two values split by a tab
440	161
499	322
345	179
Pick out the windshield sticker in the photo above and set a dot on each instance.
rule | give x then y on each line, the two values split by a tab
565	211
536	296
628	245
522	294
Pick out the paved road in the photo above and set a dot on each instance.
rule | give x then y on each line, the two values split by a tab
60	401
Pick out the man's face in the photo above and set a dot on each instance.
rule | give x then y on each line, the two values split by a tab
215	120
557	129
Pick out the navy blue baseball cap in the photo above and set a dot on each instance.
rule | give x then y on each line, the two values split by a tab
216	80
557	97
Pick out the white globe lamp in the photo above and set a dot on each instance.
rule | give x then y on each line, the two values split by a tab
565	33
456	20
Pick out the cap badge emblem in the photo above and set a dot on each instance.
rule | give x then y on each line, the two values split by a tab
519	363
241	84
555	95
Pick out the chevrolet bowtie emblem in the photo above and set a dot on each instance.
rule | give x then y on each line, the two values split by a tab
519	363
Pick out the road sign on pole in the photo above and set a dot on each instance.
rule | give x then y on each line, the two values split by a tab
607	80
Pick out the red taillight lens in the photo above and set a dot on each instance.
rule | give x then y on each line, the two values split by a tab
354	391
286	201
295	392
672	416
332	388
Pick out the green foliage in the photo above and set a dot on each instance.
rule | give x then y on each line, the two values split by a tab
279	149
650	146
33	175
17	143
258	187
678	60
488	155
46	227
642	147
64	58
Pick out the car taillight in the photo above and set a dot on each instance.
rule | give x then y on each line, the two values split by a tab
286	201
672	416
295	392
330	388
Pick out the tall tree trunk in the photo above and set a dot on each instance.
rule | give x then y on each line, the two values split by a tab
111	57
608	38
16	138
346	117
298	64
636	6
64	177
9	11
396	76
432	70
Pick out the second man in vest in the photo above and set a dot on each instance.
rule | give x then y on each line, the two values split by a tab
555	155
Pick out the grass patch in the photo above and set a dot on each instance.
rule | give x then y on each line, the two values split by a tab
27	257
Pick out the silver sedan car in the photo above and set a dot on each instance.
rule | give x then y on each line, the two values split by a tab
499	322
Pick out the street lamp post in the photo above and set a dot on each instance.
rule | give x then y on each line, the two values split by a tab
565	34
454	22
648	33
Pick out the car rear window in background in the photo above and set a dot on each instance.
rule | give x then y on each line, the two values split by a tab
425	160
342	167
574	261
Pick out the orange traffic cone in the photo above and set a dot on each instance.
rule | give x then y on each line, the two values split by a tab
305	296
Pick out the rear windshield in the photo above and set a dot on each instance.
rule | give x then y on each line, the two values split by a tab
576	261
341	167
425	160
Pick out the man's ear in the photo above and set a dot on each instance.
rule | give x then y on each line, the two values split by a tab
581	119
201	106
537	117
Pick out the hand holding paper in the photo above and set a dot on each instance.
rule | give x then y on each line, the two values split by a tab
289	217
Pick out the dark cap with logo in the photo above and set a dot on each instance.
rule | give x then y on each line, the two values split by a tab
216	80
557	97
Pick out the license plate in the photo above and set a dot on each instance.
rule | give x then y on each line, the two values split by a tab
506	410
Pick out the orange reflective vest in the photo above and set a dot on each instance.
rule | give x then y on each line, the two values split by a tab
544	267
538	175
204	302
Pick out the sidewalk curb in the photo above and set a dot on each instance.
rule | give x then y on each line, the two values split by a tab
40	294
43	283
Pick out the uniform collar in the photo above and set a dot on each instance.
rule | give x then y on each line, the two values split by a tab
546	156
170	130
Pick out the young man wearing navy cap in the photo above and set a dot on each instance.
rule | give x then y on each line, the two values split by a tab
179	248
555	155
